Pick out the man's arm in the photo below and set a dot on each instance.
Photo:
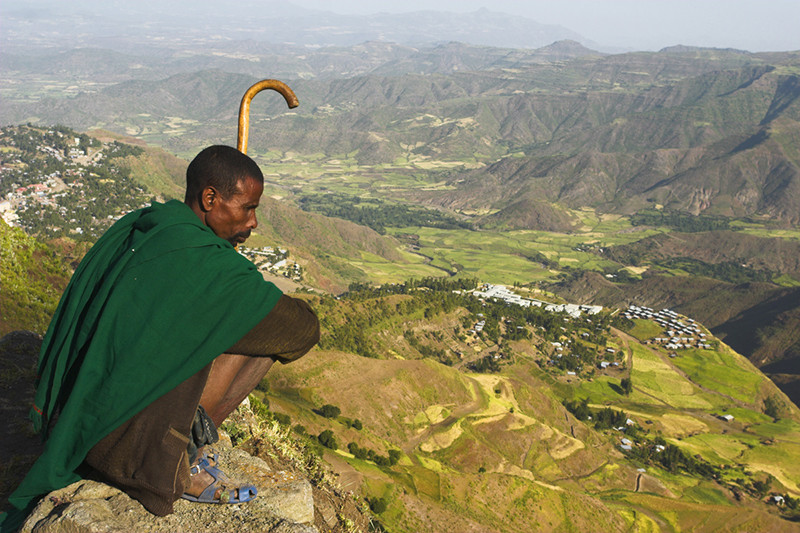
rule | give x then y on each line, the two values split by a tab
287	333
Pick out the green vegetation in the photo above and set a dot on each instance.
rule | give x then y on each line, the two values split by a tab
679	221
729	271
34	276
626	384
641	329
327	439
329	411
377	214
656	378
673	459
721	371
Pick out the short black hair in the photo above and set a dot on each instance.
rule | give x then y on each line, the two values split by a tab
221	167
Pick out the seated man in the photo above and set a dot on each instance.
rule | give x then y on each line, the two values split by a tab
163	330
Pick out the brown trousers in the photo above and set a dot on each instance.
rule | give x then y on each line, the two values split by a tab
147	456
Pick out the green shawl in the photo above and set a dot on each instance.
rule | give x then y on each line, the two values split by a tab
152	303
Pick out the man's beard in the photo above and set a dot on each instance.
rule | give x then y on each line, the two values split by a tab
239	238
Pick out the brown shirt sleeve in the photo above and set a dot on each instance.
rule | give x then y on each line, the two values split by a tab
287	333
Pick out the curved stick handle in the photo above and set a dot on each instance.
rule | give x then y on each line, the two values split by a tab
244	107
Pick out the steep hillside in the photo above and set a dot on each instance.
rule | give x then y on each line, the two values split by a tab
328	246
34	276
759	253
757	319
506	448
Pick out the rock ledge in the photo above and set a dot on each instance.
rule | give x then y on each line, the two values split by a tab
284	505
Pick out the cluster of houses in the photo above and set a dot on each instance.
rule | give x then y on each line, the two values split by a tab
274	261
500	292
679	334
478	327
43	194
74	152
48	187
627	445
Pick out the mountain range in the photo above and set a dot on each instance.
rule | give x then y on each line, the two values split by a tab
699	131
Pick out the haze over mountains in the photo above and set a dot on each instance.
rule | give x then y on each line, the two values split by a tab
150	25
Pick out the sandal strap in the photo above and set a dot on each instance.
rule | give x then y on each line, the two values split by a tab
244	493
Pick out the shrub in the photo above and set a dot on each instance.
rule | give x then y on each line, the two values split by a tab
627	385
259	408
282	418
329	411
377	505
327	439
394	456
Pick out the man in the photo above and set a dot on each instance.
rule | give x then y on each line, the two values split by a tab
163	330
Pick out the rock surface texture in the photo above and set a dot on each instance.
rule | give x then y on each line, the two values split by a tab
284	505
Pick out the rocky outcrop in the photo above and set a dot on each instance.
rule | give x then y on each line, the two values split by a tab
284	505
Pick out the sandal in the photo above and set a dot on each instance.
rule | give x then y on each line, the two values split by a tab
245	493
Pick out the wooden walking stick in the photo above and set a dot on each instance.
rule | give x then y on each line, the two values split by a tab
244	107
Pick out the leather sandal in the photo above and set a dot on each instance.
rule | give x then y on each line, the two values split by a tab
221	483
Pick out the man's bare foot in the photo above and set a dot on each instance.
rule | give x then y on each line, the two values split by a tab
207	453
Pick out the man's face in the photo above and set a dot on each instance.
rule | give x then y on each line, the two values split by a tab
234	218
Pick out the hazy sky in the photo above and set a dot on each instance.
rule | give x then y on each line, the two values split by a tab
621	25
754	25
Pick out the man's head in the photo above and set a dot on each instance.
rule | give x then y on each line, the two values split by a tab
223	188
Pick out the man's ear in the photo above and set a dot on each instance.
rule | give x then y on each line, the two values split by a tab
208	198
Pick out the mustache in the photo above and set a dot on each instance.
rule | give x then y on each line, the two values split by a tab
241	236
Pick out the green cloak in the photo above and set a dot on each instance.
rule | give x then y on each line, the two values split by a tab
152	303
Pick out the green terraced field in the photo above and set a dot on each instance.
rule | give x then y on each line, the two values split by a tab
720	371
654	377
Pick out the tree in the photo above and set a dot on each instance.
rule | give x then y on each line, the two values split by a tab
772	407
627	385
327	439
761	488
329	411
394	456
377	505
